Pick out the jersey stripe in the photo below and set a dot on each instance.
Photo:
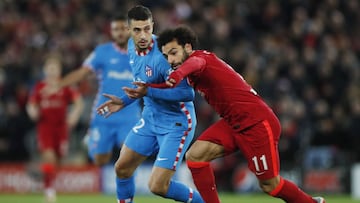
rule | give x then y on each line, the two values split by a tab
129	200
183	138
274	156
191	194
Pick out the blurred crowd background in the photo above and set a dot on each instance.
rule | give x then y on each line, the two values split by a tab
301	56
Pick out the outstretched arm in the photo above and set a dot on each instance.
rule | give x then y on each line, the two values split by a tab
114	104
75	112
75	76
190	66
180	93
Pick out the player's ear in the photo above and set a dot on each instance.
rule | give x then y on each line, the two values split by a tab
188	48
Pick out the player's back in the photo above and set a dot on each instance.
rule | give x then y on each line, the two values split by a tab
113	71
153	68
226	90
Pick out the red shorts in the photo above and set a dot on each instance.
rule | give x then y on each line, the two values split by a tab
258	143
53	137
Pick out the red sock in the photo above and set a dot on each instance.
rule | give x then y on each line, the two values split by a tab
49	174
290	193
204	180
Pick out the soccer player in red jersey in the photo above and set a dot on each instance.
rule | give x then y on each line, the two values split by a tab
247	124
50	112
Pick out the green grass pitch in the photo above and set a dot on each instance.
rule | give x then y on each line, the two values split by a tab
98	198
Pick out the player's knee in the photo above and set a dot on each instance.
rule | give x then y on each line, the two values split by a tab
101	159
158	188
195	156
122	172
191	155
100	162
269	185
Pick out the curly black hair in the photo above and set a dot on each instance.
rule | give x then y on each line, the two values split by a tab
182	34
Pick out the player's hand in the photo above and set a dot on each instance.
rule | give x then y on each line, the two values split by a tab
174	79
114	104
171	82
71	122
138	92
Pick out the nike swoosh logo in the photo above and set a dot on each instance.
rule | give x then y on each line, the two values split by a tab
161	159
259	173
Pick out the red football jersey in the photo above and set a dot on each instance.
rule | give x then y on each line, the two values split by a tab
224	89
53	108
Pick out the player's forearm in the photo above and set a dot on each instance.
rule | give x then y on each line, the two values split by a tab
33	112
74	77
190	66
76	111
126	100
177	94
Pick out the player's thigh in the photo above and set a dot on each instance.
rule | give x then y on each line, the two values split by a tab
101	139
259	146
122	130
45	137
215	141
142	139
61	141
128	160
173	146
204	151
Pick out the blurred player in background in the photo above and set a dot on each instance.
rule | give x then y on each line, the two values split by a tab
54	120
110	63
168	119
247	124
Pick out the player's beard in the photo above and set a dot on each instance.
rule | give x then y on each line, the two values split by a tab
184	57
121	44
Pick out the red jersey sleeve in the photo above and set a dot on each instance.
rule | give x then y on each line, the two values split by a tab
191	65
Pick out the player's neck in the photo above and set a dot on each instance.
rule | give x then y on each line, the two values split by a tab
52	81
143	52
121	47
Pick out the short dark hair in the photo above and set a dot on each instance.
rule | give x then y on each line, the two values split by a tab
119	17
182	34
139	12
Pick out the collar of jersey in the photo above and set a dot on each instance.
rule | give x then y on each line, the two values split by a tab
147	50
118	48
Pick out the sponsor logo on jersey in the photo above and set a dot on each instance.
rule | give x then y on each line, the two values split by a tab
125	75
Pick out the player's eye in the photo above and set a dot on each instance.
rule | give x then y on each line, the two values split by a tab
147	29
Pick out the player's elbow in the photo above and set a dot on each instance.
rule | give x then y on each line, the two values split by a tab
188	96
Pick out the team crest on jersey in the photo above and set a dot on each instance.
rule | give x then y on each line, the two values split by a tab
148	71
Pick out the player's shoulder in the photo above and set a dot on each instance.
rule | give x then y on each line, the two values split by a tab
40	84
104	46
159	58
202	53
